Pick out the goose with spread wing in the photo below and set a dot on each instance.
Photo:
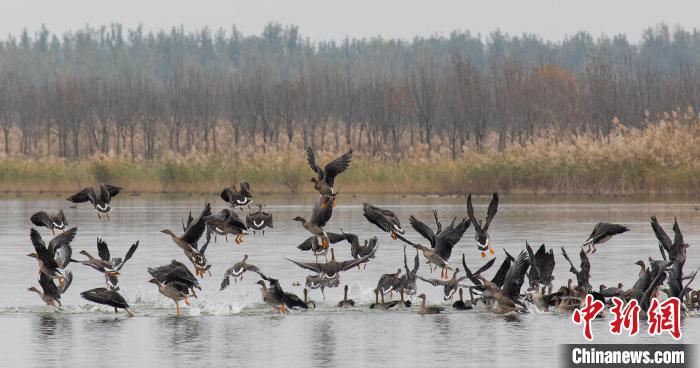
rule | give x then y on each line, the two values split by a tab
333	267
676	249
109	297
46	257
101	201
51	220
443	240
319	218
383	219
108	265
356	250
188	241
325	177
176	282
431	256
449	286
237	270
409	277
225	222
59	247
602	232
390	282
49	292
506	298
238	198
481	235
259	220
541	268
584	274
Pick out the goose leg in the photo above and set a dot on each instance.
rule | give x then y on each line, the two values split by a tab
53	233
177	309
187	301
594	249
108	219
491	251
393	235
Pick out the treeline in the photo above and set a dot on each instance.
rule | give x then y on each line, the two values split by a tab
148	95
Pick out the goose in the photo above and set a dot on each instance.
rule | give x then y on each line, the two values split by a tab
675	249
541	268
223	223
602	232
46	259
506	298
383	219
321	281
409	277
259	220
237	270
332	267
443	240
52	220
277	298
237	198
345	303
100	201
390	282
460	304
309	303
107	265
406	303
428	309
173	290
483	240
49	292
188	241
325	178
59	247
582	276
108	297
451	285
356	250
178	275
319	218
383	305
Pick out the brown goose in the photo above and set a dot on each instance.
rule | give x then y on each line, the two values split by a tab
100	201
52	220
319	218
108	297
259	220
601	233
49	292
223	223
346	303
237	198
188	241
333	267
325	178
108	265
443	240
384	219
483	240
237	270
428	309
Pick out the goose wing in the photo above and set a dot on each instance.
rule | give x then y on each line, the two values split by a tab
41	218
85	195
336	167
103	250
321	216
491	212
49	287
423	229
450	236
196	228
313	164
129	254
664	239
470	214
41	251
316	267
245	189
227	194
516	276
108	191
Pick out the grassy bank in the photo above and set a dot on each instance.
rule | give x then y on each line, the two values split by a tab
663	158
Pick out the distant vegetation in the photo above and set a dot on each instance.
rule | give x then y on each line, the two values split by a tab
178	111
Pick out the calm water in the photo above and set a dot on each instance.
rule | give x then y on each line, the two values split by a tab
235	327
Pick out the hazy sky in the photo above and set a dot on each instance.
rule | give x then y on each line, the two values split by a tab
332	19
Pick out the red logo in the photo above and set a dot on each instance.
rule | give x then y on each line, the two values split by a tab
586	314
665	317
627	317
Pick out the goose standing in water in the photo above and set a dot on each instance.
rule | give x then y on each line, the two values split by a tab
239	198
188	241
346	303
108	297
223	223
107	265
601	233
319	218
52	220
277	298
424	309
443	240
325	178
384	219
259	220
483	240
237	270
101	201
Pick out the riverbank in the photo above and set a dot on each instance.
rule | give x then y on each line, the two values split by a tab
663	158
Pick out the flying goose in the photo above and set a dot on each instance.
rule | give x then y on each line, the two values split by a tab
325	177
601	233
483	240
100	201
237	198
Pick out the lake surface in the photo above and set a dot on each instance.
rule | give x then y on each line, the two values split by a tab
233	326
